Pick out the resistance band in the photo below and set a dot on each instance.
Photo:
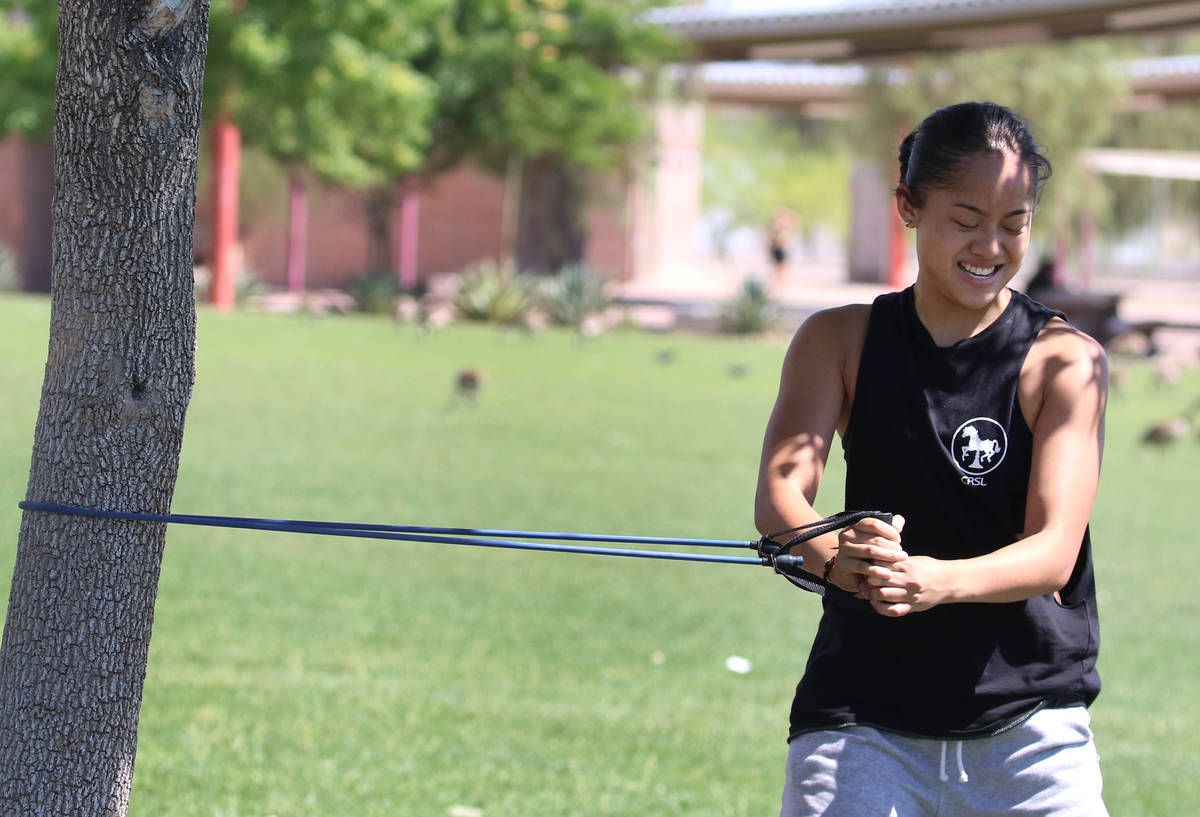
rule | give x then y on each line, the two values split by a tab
770	552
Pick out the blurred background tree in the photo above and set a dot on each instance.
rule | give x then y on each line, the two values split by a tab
545	91
28	56
756	161
327	86
328	90
368	94
1070	93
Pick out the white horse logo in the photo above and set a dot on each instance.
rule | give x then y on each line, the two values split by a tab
979	445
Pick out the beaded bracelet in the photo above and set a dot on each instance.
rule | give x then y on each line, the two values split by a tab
828	567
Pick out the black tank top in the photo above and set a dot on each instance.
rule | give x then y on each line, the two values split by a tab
937	434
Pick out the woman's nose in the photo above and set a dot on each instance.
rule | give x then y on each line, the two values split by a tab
987	243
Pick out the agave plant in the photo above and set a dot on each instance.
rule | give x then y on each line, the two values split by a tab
495	292
749	312
573	294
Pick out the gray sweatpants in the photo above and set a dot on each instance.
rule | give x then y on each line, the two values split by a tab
1046	766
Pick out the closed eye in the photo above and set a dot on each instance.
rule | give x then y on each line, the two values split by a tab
964	226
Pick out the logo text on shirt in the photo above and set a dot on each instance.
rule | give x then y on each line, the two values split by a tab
978	448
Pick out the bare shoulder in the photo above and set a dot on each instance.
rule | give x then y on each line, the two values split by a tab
1064	364
824	355
839	329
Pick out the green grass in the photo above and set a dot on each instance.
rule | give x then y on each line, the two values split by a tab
306	676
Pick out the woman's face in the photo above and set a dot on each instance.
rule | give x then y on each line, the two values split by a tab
972	236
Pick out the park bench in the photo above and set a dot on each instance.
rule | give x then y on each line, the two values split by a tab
1098	314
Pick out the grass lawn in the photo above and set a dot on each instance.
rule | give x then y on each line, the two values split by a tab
296	675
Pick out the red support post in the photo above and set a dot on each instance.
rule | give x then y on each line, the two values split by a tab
406	226
227	147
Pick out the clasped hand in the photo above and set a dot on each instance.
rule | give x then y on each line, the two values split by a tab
872	564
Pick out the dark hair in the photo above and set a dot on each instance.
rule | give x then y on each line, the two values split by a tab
930	156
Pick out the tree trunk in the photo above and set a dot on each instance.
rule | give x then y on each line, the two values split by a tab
551	232
38	189
297	241
377	206
226	173
118	378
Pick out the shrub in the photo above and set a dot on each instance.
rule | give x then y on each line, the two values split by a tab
10	275
246	284
376	292
573	294
493	291
749	312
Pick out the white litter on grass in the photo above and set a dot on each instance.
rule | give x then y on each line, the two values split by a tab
735	663
464	811
658	658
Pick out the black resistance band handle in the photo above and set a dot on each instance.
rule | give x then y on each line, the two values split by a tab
777	556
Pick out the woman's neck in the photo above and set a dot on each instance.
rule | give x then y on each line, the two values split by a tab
948	322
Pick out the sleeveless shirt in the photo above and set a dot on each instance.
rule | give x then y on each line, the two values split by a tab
936	434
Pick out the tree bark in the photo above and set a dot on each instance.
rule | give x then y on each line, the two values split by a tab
118	378
38	189
377	206
551	229
297	240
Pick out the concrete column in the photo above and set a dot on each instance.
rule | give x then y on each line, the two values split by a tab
870	226
666	200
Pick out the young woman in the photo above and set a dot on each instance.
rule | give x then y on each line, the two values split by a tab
956	653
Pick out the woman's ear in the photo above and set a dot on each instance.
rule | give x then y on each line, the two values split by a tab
904	206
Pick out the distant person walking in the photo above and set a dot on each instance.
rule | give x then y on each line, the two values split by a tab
956	654
779	236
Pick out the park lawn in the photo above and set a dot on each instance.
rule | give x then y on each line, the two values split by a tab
298	675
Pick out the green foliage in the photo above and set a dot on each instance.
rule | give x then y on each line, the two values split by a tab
1068	92
1135	199
749	312
376	292
246	284
495	292
529	78
362	93
756	162
574	294
28	57
324	85
10	274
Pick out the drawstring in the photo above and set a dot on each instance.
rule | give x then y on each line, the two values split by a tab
962	771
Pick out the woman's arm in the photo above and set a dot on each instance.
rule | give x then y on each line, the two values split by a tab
1064	388
815	394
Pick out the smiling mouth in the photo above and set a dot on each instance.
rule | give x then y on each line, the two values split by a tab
978	272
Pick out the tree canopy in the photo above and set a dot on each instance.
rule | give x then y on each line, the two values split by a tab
532	78
367	92
758	161
326	85
1069	92
28	55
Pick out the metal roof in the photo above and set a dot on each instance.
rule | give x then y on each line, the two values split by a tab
1162	164
806	83
858	28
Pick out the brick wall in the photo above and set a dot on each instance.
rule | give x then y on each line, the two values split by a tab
11	216
462	220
